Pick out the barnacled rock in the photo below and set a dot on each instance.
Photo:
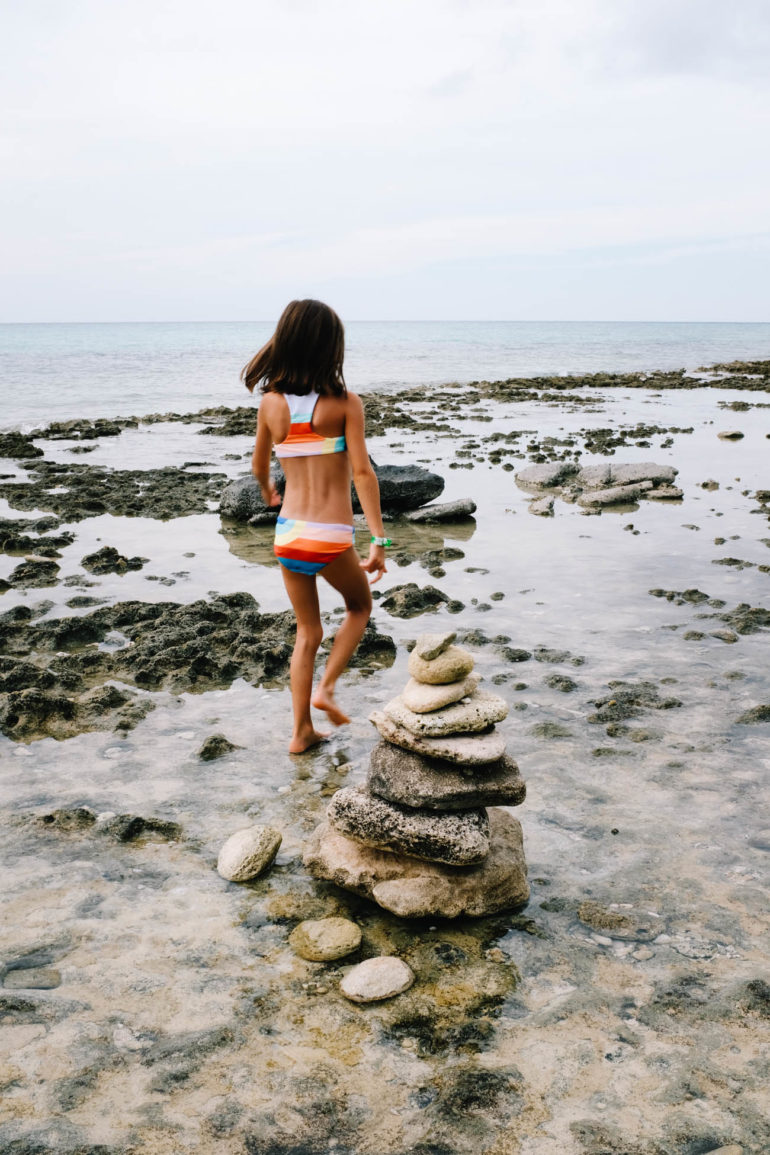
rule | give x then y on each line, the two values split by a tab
456	839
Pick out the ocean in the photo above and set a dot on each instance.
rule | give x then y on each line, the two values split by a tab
58	371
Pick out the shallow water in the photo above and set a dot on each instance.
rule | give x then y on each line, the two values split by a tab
184	1022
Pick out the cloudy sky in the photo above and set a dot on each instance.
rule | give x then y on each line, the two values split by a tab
403	159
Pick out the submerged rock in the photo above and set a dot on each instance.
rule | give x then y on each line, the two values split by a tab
376	979
410	888
478	711
108	560
455	839
325	939
409	600
412	780
216	746
466	750
249	852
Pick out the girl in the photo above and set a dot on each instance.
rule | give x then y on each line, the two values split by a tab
317	428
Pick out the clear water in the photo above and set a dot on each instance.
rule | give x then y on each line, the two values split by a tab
58	371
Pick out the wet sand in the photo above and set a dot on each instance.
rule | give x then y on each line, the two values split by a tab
148	1005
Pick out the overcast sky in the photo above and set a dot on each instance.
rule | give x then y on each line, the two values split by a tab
402	159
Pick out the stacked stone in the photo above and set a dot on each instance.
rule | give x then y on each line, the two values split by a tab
419	838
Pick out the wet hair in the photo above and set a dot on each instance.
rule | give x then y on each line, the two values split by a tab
303	355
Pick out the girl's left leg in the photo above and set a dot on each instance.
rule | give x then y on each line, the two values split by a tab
347	577
303	595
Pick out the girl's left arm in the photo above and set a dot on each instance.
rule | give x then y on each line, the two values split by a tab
260	459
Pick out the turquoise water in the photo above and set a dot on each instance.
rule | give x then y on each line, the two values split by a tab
55	371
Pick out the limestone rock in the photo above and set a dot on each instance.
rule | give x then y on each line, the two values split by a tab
248	852
608	475
325	939
665	493
413	889
429	646
479	711
546	476
411	780
450	665
447	511
377	978
455	839
615	495
422	698
467	750
542	507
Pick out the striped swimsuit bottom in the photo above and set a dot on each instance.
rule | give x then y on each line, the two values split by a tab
308	546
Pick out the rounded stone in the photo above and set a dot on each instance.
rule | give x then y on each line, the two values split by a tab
376	979
324	939
249	852
451	665
422	698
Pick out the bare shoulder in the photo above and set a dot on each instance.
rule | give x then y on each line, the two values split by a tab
354	404
271	403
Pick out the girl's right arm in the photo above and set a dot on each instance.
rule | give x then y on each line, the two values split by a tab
260	459
365	481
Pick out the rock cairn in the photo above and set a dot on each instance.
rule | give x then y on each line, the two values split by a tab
418	838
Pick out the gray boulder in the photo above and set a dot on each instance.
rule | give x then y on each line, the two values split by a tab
607	476
411	780
454	839
546	476
242	501
447	511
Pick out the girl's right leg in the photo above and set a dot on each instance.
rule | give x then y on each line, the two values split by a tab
303	595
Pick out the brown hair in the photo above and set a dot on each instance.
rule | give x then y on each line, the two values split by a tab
303	355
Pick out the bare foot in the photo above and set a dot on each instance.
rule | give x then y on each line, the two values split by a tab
304	740
322	700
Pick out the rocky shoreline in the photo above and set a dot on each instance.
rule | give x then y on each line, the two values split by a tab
151	1004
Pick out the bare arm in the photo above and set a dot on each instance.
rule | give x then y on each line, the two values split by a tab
260	459
365	481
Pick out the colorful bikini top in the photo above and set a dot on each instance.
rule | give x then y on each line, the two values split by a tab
302	440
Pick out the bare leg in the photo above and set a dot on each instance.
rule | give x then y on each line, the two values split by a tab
303	595
346	576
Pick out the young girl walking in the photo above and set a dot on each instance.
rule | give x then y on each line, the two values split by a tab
317	429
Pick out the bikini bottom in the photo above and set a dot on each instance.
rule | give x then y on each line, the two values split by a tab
308	546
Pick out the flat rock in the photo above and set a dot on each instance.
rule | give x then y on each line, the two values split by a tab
478	711
413	889
429	646
470	750
377	978
546	476
615	495
665	493
325	939
451	665
248	853
411	780
608	475
446	511
455	839
422	698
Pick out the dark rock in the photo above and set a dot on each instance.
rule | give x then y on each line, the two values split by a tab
108	560
754	715
412	780
35	573
18	446
628	700
74	819
561	682
409	600
129	827
242	500
216	746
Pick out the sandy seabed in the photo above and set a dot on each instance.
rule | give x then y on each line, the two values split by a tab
150	1006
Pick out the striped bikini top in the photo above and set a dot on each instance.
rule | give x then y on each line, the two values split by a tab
301	440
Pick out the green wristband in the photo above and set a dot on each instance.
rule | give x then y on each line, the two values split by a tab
383	541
